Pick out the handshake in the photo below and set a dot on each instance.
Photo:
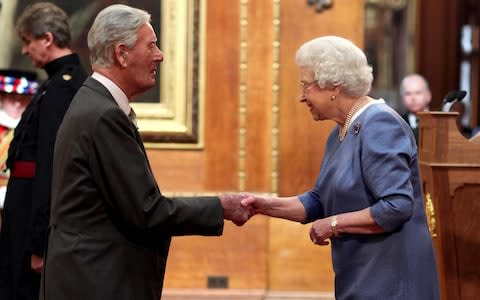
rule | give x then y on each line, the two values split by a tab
240	207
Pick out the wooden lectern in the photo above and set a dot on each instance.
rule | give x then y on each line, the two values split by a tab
450	172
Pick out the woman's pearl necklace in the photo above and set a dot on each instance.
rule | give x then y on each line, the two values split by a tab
361	102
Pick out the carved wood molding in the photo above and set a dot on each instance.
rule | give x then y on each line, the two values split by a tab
430	214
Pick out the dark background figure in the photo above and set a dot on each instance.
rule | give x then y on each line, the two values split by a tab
416	97
81	15
44	29
16	90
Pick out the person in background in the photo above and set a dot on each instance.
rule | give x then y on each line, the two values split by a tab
416	97
367	199
16	90
111	226
45	32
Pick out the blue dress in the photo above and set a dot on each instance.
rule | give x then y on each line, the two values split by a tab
376	166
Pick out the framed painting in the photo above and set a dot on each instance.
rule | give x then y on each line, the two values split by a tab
170	114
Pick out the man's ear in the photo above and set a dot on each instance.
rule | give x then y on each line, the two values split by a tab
121	55
48	36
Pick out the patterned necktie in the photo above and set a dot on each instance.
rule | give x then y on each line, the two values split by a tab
133	117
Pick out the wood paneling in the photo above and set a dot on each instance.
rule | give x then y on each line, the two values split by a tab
221	100
242	294
259	92
240	254
193	259
437	47
302	140
179	171
466	207
295	263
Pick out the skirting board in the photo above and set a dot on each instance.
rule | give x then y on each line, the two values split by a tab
237	294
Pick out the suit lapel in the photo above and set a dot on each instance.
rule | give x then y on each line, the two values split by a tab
95	85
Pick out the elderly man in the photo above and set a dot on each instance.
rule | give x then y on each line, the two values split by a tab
44	30
110	224
416	97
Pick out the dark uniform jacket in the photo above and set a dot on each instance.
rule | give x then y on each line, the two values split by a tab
110	224
415	127
30	158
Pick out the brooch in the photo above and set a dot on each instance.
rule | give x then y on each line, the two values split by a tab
356	128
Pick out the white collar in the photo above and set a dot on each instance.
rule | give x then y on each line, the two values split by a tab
358	112
115	90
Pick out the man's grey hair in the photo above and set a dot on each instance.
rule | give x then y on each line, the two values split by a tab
335	61
115	24
39	18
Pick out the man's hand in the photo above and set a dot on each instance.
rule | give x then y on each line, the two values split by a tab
233	210
36	263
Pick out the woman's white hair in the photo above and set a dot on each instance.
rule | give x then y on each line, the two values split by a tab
114	24
336	61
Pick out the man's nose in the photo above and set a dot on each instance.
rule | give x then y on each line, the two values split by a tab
158	56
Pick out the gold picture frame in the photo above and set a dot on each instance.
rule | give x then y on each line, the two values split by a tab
175	121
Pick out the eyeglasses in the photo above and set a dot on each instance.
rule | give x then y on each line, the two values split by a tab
306	85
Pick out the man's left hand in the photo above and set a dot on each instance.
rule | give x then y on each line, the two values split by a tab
36	263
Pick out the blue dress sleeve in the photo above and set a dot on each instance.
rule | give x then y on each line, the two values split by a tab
388	154
313	205
311	200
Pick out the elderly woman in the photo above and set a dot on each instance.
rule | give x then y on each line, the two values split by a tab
367	199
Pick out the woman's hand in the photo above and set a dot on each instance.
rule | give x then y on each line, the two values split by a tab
289	208
259	204
321	231
356	222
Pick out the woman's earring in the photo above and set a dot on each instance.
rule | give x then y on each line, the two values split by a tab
333	97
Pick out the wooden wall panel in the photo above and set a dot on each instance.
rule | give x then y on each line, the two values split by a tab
179	171
221	100
295	264
302	140
241	253
259	92
437	47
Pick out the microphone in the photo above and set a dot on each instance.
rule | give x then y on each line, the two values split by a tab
454	96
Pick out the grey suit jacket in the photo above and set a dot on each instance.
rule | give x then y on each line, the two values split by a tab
110	225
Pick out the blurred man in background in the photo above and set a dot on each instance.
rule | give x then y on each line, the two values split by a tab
416	97
44	30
